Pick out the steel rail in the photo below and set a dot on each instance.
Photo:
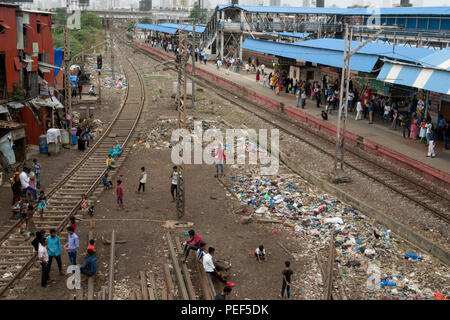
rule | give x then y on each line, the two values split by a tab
207	84
32	259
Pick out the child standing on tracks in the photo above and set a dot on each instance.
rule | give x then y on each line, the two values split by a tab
23	207
42	204
119	193
84	203
287	279
36	167
142	180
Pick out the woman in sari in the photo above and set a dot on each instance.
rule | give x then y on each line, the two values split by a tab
116	150
414	129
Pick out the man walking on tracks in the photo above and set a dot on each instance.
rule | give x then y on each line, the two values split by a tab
72	245
54	249
43	258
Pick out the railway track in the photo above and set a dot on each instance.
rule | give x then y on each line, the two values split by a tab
424	194
16	253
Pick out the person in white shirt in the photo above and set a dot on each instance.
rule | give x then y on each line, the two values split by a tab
303	97
260	254
142	180
25	182
43	258
387	110
247	67
262	68
210	268
174	186
359	110
350	98
428	128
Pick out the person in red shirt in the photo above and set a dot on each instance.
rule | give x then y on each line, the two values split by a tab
91	245
119	193
73	224
192	244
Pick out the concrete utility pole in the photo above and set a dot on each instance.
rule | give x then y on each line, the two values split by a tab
111	21
182	59
67	85
193	64
346	67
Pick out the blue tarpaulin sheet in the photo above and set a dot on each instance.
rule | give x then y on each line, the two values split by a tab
58	59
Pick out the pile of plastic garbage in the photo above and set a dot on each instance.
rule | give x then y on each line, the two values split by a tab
374	262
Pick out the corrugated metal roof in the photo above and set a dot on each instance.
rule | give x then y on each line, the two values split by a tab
413	11
155	27
292	34
438	60
15	105
416	76
187	27
383	50
3	109
360	62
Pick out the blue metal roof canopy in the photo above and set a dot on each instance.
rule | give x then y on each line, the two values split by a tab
437	60
360	62
383	50
186	27
291	34
155	27
413	11
415	76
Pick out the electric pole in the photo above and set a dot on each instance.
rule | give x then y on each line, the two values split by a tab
67	85
340	140
194	54
111	20
182	60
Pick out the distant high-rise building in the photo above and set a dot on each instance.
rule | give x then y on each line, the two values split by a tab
145	5
305	3
275	3
320	3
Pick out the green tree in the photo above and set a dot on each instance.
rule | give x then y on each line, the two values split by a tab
90	19
197	13
406	5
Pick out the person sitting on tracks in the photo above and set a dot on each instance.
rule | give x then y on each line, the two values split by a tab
115	150
92	90
89	268
106	183
192	244
110	163
211	270
201	252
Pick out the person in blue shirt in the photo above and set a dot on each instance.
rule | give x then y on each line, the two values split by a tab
371	111
54	251
72	245
106	183
89	268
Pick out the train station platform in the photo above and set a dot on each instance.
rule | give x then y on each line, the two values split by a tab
376	138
